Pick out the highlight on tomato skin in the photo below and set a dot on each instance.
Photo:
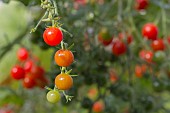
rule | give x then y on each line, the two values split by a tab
53	36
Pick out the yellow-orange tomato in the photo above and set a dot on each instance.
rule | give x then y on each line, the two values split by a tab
64	57
63	81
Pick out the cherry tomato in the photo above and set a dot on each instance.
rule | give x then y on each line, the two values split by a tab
64	57
17	72
53	96
158	45
92	93
113	76
29	82
37	72
53	36
159	57
129	37
63	81
150	31
104	37
98	107
28	65
105	42
22	54
118	48
141	4
146	55
140	70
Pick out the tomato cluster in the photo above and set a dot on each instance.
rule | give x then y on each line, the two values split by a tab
28	70
63	58
119	44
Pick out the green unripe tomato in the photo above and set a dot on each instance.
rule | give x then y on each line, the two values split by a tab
53	96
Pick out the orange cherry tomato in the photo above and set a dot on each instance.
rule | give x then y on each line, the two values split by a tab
64	58
63	81
98	107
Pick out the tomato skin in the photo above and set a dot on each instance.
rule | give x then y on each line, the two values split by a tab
29	82
118	48
140	70
104	36
158	45
64	58
146	55
28	65
22	54
37	72
141	4
52	36
53	96
98	107
150	31
17	72
63	81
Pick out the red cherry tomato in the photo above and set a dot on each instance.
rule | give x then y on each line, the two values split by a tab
64	57
98	107
22	54
37	72
150	31
118	48
63	81
158	45
146	55
28	65
122	37
141	4
53	36
29	82
17	72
